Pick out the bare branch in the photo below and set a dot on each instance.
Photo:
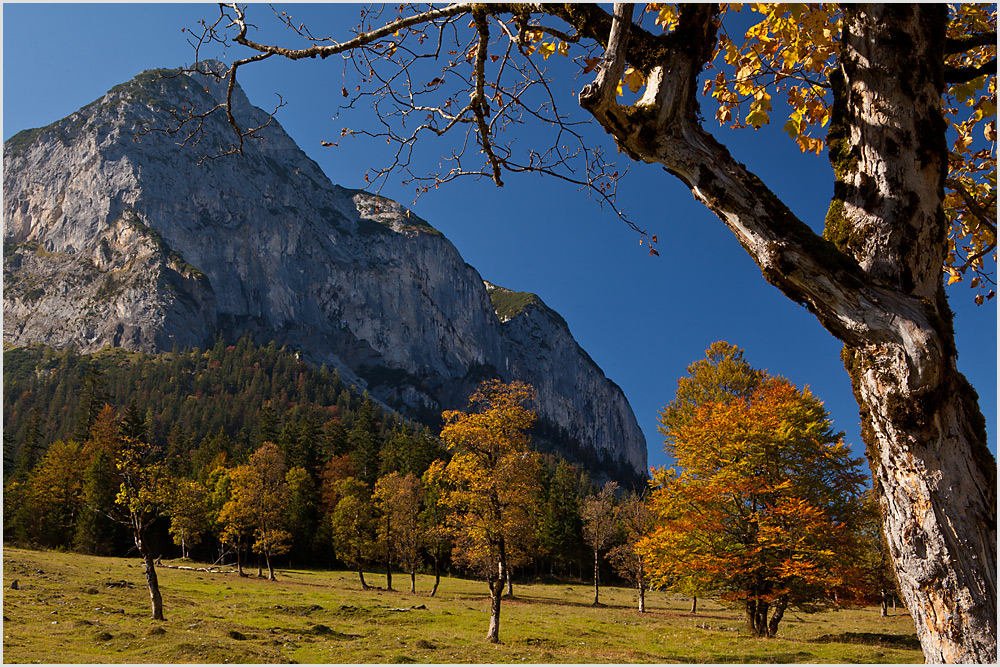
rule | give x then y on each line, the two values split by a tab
359	41
480	105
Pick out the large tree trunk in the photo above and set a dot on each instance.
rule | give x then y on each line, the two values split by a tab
925	434
874	281
756	613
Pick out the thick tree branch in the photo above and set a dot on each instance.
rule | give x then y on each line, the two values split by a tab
955	45
663	128
966	74
604	90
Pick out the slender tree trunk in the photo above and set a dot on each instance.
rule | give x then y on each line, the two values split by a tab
388	554
437	574
510	586
694	604
239	561
361	576
642	596
884	606
149	565
779	612
413	581
270	568
597	576
874	281
496	595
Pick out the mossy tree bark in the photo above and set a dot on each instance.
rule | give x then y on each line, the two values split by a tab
874	281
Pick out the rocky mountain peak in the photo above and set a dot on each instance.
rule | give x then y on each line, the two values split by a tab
118	233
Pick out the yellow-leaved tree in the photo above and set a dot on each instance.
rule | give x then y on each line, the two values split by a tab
398	499
258	503
493	483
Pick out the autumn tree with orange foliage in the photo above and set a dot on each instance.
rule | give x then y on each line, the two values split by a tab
494	480
760	507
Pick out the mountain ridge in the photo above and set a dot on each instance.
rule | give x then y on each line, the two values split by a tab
139	244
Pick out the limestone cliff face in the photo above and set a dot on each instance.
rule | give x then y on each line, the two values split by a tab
117	235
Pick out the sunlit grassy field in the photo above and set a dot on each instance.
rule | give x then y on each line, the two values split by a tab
72	608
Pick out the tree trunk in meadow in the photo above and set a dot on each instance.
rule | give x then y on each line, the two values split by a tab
496	595
873	281
413	581
694	604
597	575
884	606
779	612
496	585
149	565
510	586
642	596
437	575
361	576
270	568
756	611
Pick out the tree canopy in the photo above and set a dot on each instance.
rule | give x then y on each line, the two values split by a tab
494	483
761	507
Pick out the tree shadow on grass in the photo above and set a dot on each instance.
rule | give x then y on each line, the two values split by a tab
872	639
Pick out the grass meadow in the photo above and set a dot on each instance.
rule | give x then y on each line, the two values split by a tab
73	608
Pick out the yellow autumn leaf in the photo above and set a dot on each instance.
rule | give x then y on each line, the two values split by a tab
634	79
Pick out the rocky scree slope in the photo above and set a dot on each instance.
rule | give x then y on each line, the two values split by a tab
116	235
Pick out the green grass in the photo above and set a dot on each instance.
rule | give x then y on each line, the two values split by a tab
66	611
508	303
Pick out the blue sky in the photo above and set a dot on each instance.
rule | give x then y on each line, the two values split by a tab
643	319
